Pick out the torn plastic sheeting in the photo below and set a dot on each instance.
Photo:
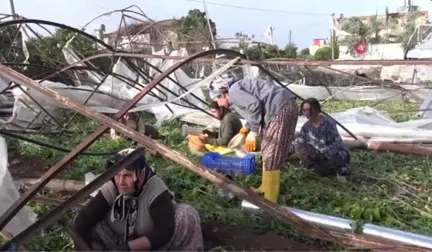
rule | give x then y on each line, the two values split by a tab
82	75
422	51
118	88
420	123
427	104
9	194
107	104
24	38
4	83
251	71
405	73
362	122
197	86
152	104
79	94
134	43
360	93
368	122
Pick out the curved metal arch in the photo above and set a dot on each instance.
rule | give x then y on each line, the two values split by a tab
58	25
193	57
125	79
80	32
106	123
98	41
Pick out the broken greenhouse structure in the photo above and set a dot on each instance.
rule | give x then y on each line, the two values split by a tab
161	83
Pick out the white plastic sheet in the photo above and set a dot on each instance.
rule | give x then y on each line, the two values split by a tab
363	122
9	194
111	95
422	51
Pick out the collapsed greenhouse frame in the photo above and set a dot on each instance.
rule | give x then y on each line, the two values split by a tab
348	241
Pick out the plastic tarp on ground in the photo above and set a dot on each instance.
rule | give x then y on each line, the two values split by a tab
422	51
426	108
362	93
407	74
417	74
9	194
363	122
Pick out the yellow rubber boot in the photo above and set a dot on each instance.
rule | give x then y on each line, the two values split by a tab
260	189
271	185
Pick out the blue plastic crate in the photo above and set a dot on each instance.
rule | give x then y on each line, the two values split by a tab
229	165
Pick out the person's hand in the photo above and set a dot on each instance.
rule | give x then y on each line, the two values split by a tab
122	247
250	143
244	131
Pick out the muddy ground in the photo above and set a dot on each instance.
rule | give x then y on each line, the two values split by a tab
232	238
217	237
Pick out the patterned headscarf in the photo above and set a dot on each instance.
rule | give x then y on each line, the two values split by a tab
125	207
219	85
142	170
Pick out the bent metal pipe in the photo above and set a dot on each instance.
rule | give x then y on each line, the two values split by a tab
272	208
342	224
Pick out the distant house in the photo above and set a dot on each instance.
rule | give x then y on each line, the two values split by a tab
395	22
394	26
144	35
317	44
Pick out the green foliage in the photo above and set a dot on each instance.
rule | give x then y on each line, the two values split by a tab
382	188
325	52
408	37
290	51
272	51
372	32
375	28
358	30
46	52
304	53
253	52
194	27
10	44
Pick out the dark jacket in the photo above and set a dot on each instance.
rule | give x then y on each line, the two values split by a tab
258	100
230	126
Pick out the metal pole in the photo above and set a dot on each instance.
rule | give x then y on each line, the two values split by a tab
262	62
12	9
150	145
58	212
342	224
209	25
332	43
289	37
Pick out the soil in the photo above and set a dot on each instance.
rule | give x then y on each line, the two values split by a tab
21	166
230	238
216	236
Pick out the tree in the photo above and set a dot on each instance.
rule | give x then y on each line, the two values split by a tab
46	52
408	38
304	53
272	51
253	52
375	28
357	29
290	51
325	52
10	45
194	27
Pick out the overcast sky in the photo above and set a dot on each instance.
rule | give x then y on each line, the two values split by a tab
307	19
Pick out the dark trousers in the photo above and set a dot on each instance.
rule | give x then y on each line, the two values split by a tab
311	158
